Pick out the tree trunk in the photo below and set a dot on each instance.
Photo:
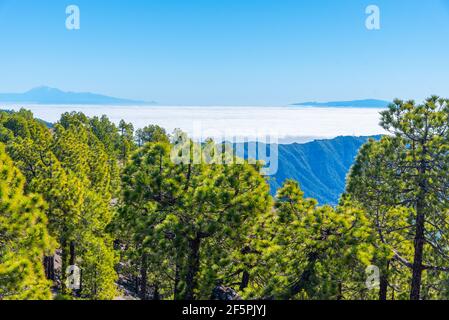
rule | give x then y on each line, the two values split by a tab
143	278
418	258
81	282
417	269
305	277
72	260
192	268
177	280
64	265
340	292
156	294
383	286
49	265
415	292
245	280
136	284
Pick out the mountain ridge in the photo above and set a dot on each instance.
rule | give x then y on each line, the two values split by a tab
320	166
366	103
49	95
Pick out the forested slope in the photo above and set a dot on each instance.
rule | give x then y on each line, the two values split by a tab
320	166
169	218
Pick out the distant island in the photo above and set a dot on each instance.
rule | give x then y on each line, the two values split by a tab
368	103
47	95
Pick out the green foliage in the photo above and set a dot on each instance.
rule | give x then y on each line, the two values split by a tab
126	140
402	183
186	218
83	155
24	238
72	171
151	133
173	219
311	252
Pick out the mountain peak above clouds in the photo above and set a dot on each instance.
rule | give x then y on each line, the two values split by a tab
366	103
49	95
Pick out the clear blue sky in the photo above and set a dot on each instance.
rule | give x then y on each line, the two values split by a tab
228	52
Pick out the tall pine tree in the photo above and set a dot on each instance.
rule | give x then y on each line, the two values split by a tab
24	239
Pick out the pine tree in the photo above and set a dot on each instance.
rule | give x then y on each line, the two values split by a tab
185	218
311	252
127	144
74	174
151	133
402	182
91	246
24	239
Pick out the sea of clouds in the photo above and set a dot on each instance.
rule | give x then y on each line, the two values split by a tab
286	124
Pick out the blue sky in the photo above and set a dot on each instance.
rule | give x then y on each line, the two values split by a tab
228	52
